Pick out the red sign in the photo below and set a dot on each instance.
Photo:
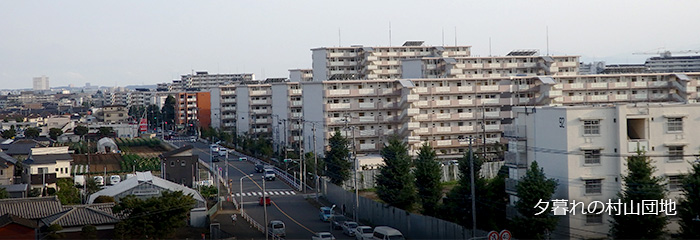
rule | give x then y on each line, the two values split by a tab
505	235
143	125
493	235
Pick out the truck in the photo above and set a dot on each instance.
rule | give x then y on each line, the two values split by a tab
79	180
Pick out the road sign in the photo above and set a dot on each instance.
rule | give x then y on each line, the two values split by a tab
493	235
143	125
505	235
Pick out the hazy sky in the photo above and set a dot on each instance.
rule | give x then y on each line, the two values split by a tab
123	42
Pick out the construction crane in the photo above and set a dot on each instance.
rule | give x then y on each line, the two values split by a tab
665	53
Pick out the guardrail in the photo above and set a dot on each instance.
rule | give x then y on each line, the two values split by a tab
235	203
286	177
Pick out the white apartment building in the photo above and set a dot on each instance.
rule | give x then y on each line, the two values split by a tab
585	147
40	83
301	75
203	80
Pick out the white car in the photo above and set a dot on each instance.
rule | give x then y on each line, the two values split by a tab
323	236
349	228
99	180
214	148
114	179
363	233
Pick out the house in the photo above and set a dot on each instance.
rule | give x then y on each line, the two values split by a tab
45	165
7	169
17	190
145	186
180	165
16	227
20	149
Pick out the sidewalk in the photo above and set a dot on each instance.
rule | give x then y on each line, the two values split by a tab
242	229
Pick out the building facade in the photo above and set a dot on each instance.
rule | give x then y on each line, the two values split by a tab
40	83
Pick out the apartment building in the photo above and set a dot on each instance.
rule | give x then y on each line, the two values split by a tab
585	147
192	109
360	62
40	83
301	75
114	114
203	81
668	63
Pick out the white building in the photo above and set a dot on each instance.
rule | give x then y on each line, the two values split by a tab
585	147
45	165
40	83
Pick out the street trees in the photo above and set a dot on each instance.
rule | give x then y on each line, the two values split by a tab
154	217
395	182
3	193
639	184
336	159
689	204
31	132
54	133
427	173
532	189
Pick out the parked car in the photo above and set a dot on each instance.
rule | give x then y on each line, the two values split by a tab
266	202
277	228
79	180
214	148
363	233
114	179
324	214
259	167
349	228
242	159
269	175
323	236
338	221
99	180
386	233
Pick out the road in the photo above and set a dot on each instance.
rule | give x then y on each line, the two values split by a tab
300	217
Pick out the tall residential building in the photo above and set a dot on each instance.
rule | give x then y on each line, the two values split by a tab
192	110
668	63
41	83
204	81
585	147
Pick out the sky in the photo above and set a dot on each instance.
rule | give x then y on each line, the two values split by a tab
119	43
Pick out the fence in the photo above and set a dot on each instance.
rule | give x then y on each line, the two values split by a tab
413	226
282	175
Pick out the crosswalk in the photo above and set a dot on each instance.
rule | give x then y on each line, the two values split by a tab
268	193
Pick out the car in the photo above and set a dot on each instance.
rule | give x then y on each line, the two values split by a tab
363	233
338	221
193	139
269	175
323	236
79	180
259	167
223	152
277	228
349	228
214	148
267	201
242	159
324	214
386	233
99	180
115	179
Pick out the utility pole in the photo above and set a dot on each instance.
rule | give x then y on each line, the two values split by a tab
301	157
471	169
357	196
315	160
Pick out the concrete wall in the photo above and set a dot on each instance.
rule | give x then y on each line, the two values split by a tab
312	99
280	108
411	68
318	57
242	109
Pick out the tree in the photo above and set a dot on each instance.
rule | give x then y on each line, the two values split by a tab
54	133
35	192
9	133
168	110
91	186
639	184
4	194
53	232
80	131
67	193
395	182
689	204
154	217
428	180
103	199
336	159
496	200
31	132
154	115
458	204
106	131
533	188
88	232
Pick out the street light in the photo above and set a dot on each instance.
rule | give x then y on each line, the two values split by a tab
241	181
331	221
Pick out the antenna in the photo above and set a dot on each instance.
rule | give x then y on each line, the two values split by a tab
455	36
489	46
339	38
443	36
547	40
389	33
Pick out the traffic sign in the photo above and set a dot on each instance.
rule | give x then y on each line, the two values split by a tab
505	235
493	235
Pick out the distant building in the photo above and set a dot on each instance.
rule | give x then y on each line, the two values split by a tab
667	63
7	169
114	113
41	83
201	81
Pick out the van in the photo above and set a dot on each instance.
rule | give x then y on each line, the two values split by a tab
115	179
386	233
99	180
277	228
79	180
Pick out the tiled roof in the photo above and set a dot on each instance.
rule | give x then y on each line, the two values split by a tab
10	218
48	158
81	215
176	151
7	158
31	208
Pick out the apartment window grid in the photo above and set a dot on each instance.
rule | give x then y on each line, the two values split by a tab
675	183
592	218
594	186
675	153
592	156
591	127
674	124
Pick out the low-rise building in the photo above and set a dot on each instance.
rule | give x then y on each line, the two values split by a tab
45	166
179	166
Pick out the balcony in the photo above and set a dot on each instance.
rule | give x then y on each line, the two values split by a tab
511	185
465	102
494	127
260	102
366	91
338	92
39	179
512	159
259	92
442	102
297	103
228	100
639	144
442	89
423	103
515	131
369	132
368	146
367	119
366	105
442	143
335	106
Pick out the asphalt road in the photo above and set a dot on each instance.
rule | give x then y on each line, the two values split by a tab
300	217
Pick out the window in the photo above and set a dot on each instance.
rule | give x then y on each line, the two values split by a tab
592	218
172	164
675	124
182	164
594	186
675	183
591	156
675	153
591	127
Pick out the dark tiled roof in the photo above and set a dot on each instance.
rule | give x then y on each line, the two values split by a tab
176	151
15	187
31	208
81	215
47	158
7	158
22	147
9	218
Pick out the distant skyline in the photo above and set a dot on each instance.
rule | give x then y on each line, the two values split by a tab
135	42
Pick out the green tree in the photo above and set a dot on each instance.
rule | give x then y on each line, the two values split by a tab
427	173
458	204
4	194
154	115
91	186
31	132
9	133
533	188
54	133
153	218
689	204
639	184
337	159
496	200
103	199
67	193
53	232
88	232
106	132
35	192
395	182
168	111
80	131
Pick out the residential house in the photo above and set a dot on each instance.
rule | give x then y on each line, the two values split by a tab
180	165
20	149
7	169
45	165
17	190
16	227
